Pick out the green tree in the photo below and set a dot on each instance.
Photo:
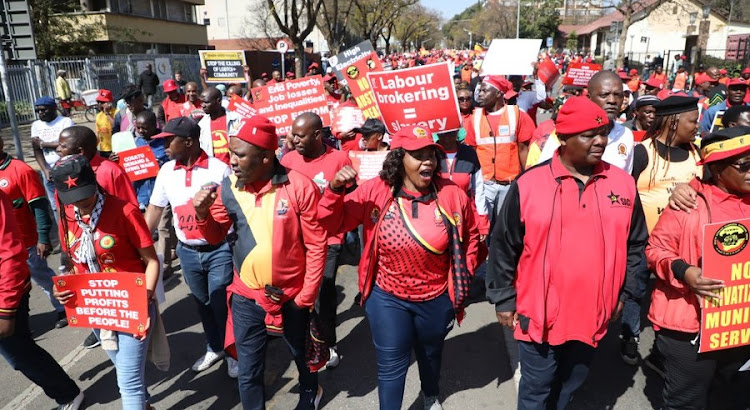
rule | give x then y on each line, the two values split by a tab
540	19
572	42
60	29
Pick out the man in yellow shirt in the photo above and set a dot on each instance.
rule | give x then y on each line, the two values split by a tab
105	121
63	90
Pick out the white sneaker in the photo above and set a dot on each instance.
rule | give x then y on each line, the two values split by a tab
73	405
207	360
233	368
432	403
334	360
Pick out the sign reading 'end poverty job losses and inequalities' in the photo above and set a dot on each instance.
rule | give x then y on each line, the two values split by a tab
423	96
725	319
225	66
352	67
283	102
112	301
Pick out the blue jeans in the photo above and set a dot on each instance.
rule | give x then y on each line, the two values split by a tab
42	275
551	374
207	275
631	311
49	187
23	354
251	339
397	327
130	366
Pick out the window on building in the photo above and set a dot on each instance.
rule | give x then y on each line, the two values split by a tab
99	5
175	10
159	9
140	8
190	13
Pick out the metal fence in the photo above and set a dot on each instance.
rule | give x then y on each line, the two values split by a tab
36	78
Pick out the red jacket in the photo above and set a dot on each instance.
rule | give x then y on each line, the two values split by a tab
561	251
675	244
14	273
366	205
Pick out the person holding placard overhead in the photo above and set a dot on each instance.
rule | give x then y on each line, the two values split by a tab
103	233
674	253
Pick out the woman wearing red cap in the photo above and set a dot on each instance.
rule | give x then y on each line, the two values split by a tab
674	253
421	244
105	121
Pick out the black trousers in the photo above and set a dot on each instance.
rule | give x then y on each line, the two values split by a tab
328	297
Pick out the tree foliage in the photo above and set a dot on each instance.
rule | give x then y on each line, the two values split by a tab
633	11
540	19
60	29
296	19
333	20
372	17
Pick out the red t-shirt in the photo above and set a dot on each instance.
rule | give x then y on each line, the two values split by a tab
192	110
321	170
219	139
120	233
172	109
413	257
22	186
113	179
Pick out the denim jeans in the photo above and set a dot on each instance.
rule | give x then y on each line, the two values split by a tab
397	327
130	366
42	275
23	354
328	297
49	187
631	311
251	339
207	275
551	374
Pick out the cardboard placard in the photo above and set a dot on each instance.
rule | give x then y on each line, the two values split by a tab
122	141
423	96
725	320
368	164
241	107
352	67
283	102
547	72
579	74
511	56
139	163
344	118
223	66
111	301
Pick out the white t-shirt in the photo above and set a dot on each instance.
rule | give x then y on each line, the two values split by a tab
177	187
50	132
619	150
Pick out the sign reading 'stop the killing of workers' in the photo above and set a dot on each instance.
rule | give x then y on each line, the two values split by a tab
223	66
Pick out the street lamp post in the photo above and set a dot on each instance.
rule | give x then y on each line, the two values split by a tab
471	39
518	20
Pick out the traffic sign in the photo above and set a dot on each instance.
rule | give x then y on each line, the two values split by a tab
282	46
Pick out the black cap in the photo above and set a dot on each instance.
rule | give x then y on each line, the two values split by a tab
371	126
645	100
74	179
725	134
675	104
180	127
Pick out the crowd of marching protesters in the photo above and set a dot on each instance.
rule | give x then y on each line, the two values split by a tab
567	224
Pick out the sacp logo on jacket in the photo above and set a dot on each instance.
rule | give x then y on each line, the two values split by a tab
617	200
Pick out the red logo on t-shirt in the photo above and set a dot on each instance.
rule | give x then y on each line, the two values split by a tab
186	221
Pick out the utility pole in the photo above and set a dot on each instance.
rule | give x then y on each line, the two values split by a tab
9	104
518	20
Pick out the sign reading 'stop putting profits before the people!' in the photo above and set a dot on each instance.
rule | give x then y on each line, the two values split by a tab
423	96
283	102
112	301
725	319
225	66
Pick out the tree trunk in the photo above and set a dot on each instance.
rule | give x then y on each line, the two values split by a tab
299	59
620	63
387	46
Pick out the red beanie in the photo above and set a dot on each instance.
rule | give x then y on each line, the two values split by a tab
501	84
256	130
579	114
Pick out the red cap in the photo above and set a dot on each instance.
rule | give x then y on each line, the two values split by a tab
579	114
623	75
633	71
170	85
289	74
737	81
701	78
313	65
256	130
683	57
653	82
413	138
502	84
328	77
723	71
263	75
746	70
104	96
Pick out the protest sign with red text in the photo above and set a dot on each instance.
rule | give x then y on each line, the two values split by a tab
368	164
547	72
579	74
423	96
111	301
283	102
139	163
241	107
725	320
352	66
345	118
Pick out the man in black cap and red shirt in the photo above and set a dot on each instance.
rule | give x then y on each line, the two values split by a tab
556	291
373	135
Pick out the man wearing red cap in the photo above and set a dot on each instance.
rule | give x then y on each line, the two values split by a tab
735	96
501	135
279	252
556	291
313	69
634	80
105	121
171	107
